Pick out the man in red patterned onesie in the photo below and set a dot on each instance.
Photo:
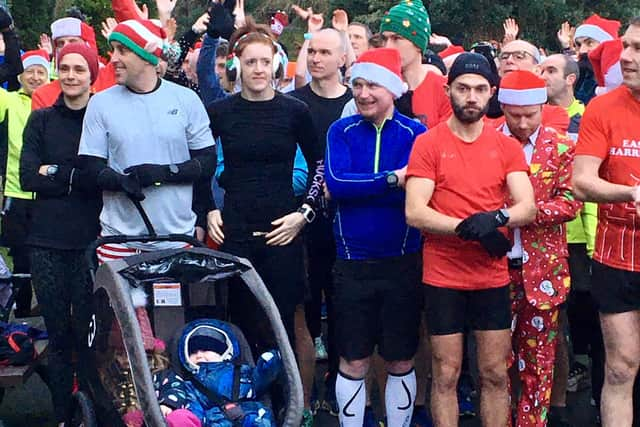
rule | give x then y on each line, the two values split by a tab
538	260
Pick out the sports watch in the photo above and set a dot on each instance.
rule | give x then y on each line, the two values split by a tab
502	217
52	170
392	180
308	213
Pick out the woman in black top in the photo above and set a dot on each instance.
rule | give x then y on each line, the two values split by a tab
259	129
64	221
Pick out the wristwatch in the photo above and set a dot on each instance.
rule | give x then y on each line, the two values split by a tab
392	180
502	216
174	169
308	213
52	170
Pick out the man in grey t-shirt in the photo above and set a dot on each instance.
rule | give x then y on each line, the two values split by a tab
149	140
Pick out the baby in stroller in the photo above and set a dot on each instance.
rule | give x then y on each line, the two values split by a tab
218	384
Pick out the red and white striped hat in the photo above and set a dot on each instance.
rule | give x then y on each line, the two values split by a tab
598	28
522	88
36	57
144	37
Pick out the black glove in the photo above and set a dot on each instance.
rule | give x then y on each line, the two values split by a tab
131	186
148	174
5	19
221	21
496	244
480	224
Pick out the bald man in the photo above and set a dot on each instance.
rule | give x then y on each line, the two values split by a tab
326	96
522	55
518	55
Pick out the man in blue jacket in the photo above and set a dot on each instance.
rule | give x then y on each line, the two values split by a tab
376	272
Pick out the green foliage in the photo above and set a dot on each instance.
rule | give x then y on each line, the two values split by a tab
465	21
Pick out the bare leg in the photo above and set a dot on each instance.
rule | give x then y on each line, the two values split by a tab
621	333
494	350
446	358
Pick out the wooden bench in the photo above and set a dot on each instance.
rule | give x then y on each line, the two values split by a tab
11	376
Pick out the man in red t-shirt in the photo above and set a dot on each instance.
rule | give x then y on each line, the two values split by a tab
459	179
607	171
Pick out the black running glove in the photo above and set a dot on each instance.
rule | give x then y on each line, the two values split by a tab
496	244
148	174
221	22
480	224
110	180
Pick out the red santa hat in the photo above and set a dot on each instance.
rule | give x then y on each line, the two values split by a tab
73	27
381	66
605	60
522	88
36	57
278	22
450	51
598	28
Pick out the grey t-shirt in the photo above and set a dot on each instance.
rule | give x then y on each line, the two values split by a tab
160	127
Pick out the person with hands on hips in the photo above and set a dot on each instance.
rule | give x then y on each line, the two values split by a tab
459	179
259	130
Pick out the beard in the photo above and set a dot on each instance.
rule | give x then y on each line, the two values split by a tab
468	116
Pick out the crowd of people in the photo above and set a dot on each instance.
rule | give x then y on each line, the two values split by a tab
419	194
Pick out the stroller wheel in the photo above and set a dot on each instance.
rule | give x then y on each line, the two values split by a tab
83	414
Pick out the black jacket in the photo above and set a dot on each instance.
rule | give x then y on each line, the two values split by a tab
65	212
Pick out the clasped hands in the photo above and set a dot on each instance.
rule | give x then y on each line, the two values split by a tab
483	227
137	177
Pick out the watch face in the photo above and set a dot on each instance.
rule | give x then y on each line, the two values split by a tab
392	179
173	169
52	170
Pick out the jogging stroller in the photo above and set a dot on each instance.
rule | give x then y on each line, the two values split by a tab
179	281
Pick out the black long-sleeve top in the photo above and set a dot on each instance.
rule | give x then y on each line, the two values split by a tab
65	212
259	141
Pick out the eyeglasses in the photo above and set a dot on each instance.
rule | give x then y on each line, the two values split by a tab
517	55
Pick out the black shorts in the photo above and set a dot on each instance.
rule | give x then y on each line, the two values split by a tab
615	290
453	311
376	303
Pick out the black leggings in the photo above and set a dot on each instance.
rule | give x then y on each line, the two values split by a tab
321	256
63	289
281	269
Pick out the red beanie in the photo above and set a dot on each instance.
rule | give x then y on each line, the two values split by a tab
87	53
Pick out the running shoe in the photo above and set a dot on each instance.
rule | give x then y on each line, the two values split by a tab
578	378
307	418
466	407
321	350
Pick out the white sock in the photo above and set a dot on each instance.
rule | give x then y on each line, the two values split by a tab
399	396
352	397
